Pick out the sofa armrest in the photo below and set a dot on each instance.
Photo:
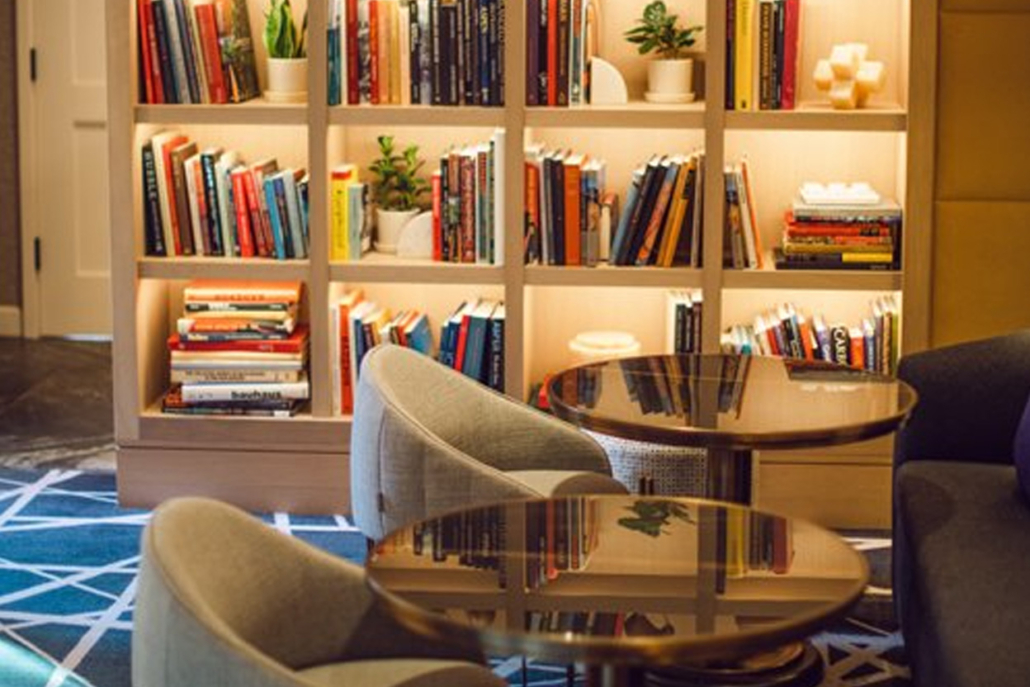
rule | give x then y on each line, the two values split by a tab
971	398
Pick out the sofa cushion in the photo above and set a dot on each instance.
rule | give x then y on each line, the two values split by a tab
965	600
1021	451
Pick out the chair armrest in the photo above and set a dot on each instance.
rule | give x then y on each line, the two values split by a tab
971	398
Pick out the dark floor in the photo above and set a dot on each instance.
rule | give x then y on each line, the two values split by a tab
55	404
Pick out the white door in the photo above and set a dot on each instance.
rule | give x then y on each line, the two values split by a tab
70	189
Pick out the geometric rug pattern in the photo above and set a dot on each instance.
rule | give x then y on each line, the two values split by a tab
69	556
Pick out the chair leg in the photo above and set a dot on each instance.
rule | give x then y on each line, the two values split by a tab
570	675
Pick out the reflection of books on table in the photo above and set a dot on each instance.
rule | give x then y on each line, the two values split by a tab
561	534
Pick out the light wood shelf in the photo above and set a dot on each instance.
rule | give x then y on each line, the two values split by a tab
222	268
331	134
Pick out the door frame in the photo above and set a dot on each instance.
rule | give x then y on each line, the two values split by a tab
28	163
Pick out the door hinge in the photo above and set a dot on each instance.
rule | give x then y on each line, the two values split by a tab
33	72
37	253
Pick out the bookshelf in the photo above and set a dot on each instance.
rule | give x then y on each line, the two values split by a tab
301	463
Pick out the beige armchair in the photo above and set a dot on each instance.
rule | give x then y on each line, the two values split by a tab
226	601
426	440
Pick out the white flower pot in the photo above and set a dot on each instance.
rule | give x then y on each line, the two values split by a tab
389	225
287	80
670	81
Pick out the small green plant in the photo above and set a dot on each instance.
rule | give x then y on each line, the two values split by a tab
652	515
658	31
282	38
397	185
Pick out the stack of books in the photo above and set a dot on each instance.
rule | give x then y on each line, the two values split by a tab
785	331
416	52
683	321
358	325
848	231
472	341
210	203
239	350
742	241
766	32
468	203
195	51
350	223
661	221
561	37
569	211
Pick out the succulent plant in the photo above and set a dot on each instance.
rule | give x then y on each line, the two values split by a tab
282	38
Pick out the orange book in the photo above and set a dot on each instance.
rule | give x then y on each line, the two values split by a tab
654	224
805	329
674	222
751	211
233	291
345	305
573	178
373	50
857	348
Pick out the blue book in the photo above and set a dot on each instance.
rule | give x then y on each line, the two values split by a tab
274	219
293	214
279	184
214	219
627	214
475	341
419	335
333	45
495	350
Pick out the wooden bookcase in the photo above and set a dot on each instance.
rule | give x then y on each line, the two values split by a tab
301	463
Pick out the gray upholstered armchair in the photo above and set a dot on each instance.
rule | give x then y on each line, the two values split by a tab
225	600
427	440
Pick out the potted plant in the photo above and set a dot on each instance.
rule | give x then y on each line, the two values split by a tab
397	189
670	77
287	54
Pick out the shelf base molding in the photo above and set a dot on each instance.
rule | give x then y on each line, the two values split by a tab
281	481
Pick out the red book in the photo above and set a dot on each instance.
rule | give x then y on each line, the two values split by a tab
239	202
774	345
346	374
791	34
805	329
857	349
166	155
207	25
353	66
552	53
297	343
437	188
573	173
143	14
463	335
255	214
373	49
155	61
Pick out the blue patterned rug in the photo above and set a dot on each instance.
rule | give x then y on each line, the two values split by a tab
68	562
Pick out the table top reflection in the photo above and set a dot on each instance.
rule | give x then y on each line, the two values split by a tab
617	579
731	401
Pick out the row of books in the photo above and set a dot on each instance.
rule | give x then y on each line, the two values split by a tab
785	331
471	340
683	321
762	54
838	236
358	325
561	37
238	349
569	211
209	202
742	240
195	51
561	535
405	52
474	539
350	227
468	203
661	221
751	542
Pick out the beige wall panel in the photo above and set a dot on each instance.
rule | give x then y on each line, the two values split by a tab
856	497
983	103
985	6
981	270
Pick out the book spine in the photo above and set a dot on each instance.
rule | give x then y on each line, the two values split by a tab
576	53
495	376
779	30
210	190
333	85
414	56
206	393
435	52
436	183
532	52
168	84
281	208
552	52
189	52
564	7
143	42
497	40
743	55
154	231
229	376
647	247
353	53
175	51
572	192
182	209
731	38
374	29
257	346
791	51
558	211
279	246
531	237
244	236
765	54
254	205
486	56
208	26
198	207
468	209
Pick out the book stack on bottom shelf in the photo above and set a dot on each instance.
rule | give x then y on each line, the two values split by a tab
238	350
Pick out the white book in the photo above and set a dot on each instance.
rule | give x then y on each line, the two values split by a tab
189	168
201	393
235	376
746	225
163	190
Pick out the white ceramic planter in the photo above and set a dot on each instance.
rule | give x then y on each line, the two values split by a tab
389	225
287	80
670	81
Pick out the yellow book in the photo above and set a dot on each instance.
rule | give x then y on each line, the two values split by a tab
398	53
341	178
671	235
743	56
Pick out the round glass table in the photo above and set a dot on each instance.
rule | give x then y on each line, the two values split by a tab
730	405
643	590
